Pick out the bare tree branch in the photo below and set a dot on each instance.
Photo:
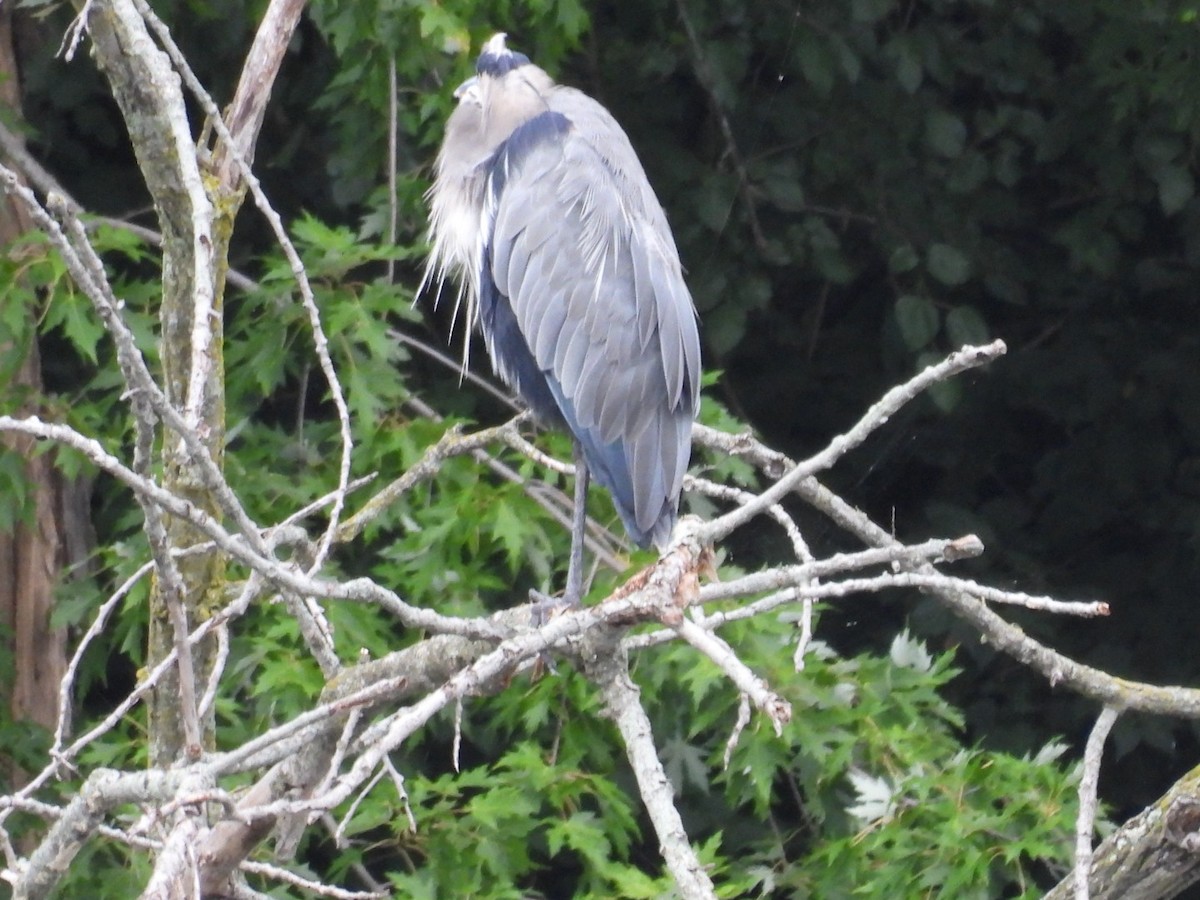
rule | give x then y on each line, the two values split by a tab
285	576
609	669
876	417
322	763
774	707
1060	670
1088	784
244	117
1153	856
102	791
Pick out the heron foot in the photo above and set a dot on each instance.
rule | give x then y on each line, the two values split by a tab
544	607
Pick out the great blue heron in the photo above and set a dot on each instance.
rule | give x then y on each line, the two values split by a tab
541	210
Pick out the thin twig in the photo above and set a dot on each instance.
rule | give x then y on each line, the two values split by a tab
875	417
455	366
320	889
393	138
773	706
93	631
361	590
743	719
601	541
1088	783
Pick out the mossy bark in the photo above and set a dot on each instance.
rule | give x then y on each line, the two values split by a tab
150	97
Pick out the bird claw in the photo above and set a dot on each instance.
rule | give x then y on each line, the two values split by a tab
543	607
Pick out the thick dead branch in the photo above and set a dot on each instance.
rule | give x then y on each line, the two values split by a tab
104	790
176	873
282	16
1153	856
149	93
244	116
608	666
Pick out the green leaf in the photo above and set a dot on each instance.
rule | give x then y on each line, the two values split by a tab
945	133
510	531
1175	187
947	264
869	11
918	320
684	764
850	62
903	259
783	188
965	325
816	62
582	832
876	798
909	651
967	173
14	490
714	201
724	327
909	71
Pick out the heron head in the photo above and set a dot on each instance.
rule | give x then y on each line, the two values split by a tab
495	59
506	89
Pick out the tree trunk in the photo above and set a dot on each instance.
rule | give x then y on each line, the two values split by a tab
55	533
161	135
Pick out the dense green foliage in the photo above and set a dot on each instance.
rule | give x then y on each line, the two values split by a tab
902	177
543	800
923	174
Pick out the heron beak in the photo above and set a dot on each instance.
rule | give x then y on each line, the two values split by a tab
464	87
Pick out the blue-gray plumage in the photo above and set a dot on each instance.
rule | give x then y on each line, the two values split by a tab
567	264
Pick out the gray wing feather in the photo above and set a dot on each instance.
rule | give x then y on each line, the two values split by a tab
644	286
567	366
669	335
582	250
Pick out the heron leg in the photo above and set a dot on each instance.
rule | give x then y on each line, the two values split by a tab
574	592
543	606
